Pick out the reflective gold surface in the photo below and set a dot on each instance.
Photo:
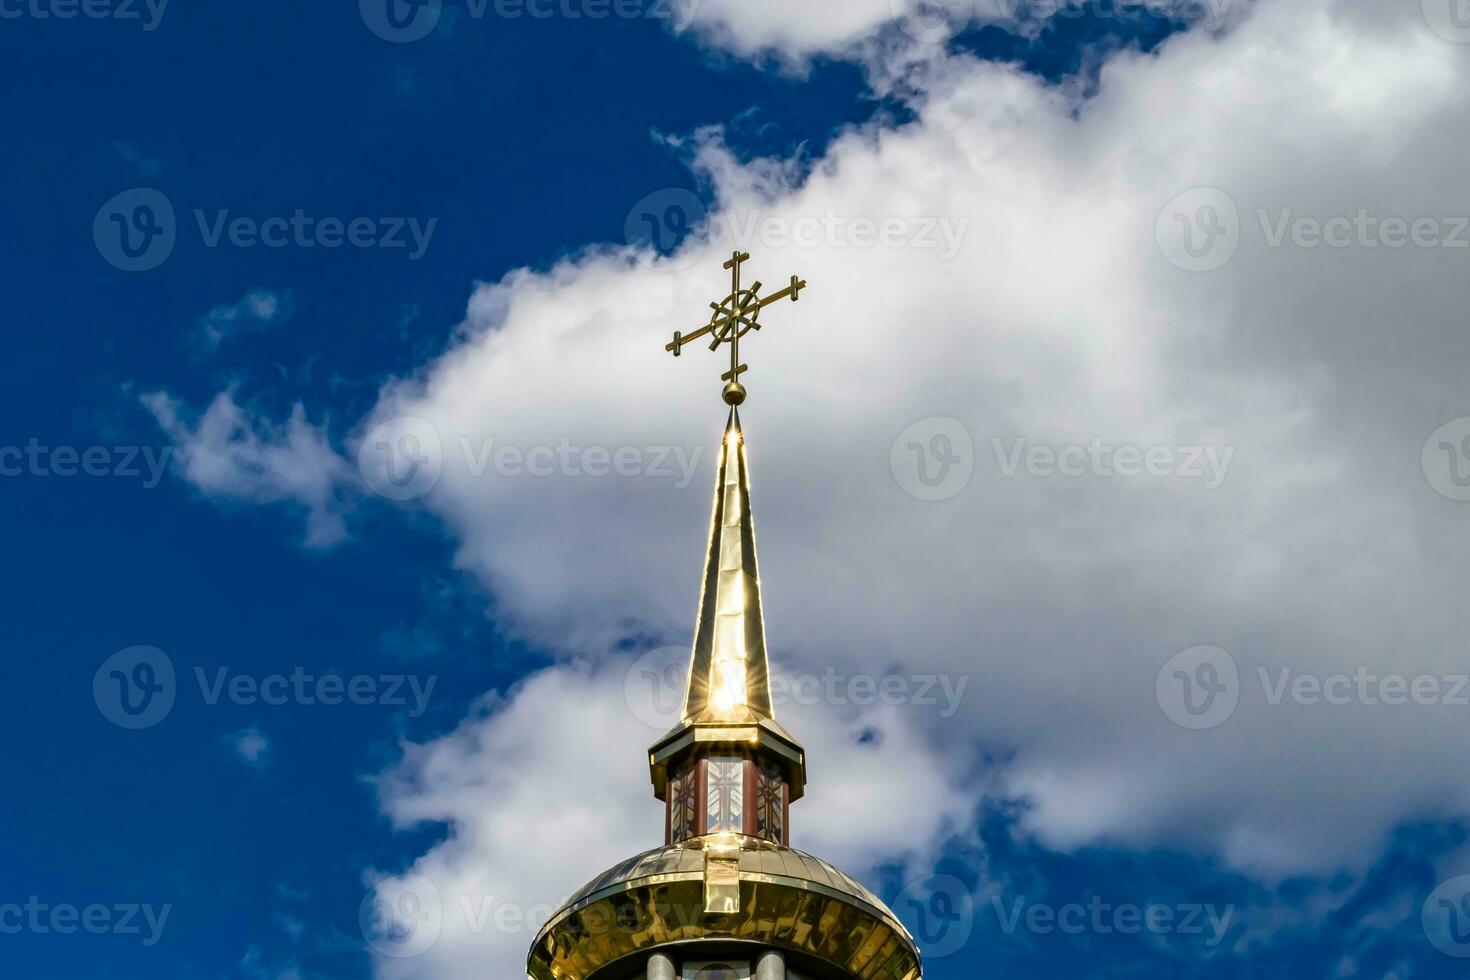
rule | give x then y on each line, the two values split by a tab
722	874
786	899
728	699
728	676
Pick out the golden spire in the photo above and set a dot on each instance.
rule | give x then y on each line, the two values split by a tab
728	703
729	676
726	886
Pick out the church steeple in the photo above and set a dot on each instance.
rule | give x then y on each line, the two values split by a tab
726	897
728	766
729	676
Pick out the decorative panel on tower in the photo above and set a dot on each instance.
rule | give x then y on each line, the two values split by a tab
682	796
725	791
770	803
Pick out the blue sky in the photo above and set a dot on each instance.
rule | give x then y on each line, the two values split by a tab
510	143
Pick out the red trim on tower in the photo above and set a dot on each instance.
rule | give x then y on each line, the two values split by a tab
701	797
785	814
750	806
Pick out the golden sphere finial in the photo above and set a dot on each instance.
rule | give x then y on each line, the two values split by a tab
734	393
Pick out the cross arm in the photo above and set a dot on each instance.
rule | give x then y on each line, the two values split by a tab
680	339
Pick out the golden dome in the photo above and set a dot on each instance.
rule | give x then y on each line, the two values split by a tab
787	900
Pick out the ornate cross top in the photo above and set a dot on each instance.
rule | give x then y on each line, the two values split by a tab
734	317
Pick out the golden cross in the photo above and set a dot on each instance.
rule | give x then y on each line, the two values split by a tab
732	319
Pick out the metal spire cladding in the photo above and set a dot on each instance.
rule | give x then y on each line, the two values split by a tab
729	676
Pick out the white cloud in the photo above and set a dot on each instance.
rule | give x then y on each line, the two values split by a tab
258	309
1060	321
230	455
796	30
251	746
794	33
